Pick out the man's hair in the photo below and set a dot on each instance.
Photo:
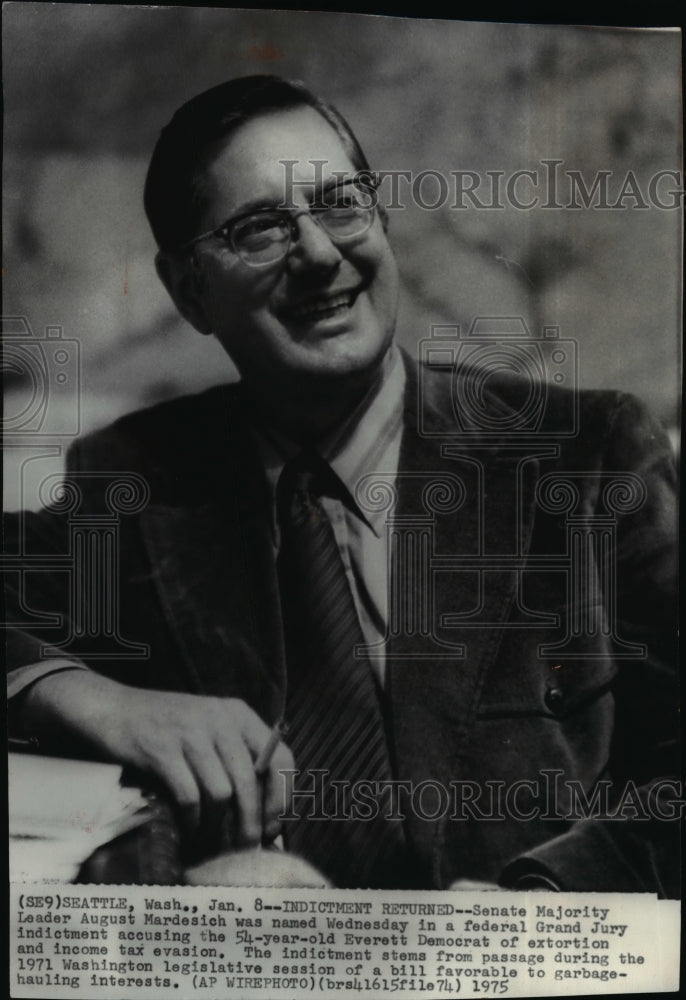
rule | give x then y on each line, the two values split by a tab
194	135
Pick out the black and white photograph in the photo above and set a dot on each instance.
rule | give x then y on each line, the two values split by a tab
342	369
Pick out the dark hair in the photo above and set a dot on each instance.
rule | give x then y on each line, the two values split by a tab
187	144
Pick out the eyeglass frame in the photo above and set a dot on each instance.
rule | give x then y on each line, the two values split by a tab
370	184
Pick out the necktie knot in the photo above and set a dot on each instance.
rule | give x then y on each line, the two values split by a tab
307	473
304	480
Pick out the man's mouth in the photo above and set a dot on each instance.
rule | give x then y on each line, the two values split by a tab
320	307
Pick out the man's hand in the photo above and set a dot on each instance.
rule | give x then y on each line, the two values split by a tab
203	749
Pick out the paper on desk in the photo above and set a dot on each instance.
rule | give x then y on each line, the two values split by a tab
60	811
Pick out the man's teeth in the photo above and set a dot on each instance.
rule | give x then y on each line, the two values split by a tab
321	308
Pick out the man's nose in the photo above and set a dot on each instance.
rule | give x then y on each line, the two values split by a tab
312	249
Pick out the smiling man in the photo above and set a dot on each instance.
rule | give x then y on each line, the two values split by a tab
314	312
313	316
263	574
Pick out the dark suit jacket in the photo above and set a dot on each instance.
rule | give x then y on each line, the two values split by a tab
197	584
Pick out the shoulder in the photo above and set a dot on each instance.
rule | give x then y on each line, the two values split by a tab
183	434
504	405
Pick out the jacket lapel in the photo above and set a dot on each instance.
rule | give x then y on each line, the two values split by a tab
434	689
214	569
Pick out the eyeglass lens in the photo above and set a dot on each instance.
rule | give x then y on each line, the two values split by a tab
265	236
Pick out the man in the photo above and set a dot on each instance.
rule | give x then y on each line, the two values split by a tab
268	586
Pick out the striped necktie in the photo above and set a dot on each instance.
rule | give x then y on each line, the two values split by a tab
335	724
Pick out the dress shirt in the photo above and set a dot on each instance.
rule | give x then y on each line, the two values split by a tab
369	441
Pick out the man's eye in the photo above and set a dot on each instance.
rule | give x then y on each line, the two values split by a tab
346	204
347	199
342	205
259	228
260	224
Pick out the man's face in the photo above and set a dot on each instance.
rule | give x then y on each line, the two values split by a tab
327	310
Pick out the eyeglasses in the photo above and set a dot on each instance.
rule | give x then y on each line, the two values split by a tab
264	236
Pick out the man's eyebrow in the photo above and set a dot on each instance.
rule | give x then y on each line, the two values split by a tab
254	205
338	179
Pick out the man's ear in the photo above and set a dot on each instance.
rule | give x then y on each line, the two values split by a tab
184	284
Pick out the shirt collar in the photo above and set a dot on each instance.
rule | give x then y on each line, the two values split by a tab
368	441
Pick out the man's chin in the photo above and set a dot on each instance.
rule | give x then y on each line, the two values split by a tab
338	364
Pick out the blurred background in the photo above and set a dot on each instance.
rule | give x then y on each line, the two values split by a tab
87	89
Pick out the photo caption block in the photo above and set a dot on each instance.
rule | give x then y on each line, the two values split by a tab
171	942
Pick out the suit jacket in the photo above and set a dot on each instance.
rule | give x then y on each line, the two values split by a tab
523	684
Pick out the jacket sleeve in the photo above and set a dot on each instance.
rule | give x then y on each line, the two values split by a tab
36	587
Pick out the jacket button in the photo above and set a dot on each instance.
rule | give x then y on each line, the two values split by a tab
554	699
